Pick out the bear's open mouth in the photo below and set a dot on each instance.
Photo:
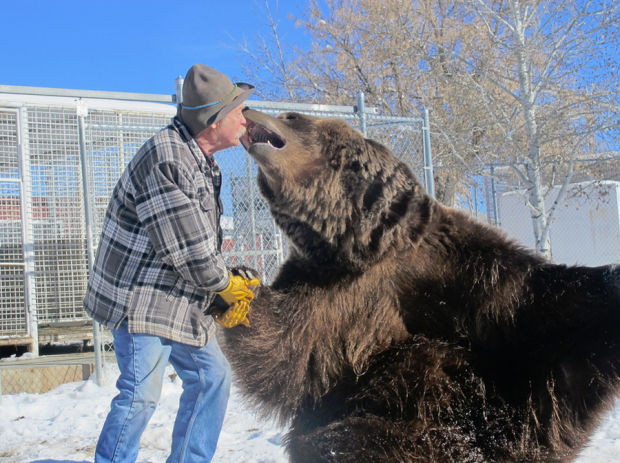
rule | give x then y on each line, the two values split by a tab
257	133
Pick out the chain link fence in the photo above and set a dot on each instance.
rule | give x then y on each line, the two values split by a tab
61	154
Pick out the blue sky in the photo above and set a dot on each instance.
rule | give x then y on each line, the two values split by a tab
131	45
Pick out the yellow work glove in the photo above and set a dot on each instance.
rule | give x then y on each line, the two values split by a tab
237	295
238	289
237	314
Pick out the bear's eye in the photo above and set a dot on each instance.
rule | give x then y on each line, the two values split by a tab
291	117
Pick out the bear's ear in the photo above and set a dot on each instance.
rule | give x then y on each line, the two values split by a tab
340	144
361	166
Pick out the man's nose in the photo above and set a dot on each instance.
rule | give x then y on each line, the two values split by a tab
245	122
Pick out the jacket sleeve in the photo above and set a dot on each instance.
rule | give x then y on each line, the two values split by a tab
179	228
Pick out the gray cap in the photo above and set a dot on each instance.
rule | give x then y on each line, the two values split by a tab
208	95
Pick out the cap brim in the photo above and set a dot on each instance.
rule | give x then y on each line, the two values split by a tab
243	92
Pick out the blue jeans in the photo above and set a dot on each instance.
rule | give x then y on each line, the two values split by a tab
142	360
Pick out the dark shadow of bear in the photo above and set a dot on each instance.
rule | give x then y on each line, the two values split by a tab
399	330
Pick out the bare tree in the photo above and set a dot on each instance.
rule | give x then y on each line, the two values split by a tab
402	55
552	94
270	58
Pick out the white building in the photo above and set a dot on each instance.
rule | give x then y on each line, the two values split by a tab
585	228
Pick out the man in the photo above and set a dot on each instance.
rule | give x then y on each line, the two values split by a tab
158	267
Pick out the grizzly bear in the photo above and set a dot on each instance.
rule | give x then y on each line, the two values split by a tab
399	330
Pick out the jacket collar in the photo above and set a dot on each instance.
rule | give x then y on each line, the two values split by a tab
204	162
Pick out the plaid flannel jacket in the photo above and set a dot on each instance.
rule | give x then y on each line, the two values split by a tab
159	259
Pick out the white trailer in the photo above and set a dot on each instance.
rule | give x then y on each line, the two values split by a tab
585	228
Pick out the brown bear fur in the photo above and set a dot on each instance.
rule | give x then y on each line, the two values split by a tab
399	330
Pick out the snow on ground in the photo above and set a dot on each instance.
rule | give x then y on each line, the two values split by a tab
62	426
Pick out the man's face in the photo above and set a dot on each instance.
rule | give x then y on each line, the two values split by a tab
230	129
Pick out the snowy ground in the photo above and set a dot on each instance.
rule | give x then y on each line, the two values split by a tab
62	426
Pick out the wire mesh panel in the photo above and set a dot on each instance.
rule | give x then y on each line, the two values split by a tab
112	140
13	319
57	213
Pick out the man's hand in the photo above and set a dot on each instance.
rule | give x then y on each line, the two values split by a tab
235	315
238	289
237	297
246	272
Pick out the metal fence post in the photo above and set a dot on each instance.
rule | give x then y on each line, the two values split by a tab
429	181
82	111
494	197
23	154
178	84
255	239
361	111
